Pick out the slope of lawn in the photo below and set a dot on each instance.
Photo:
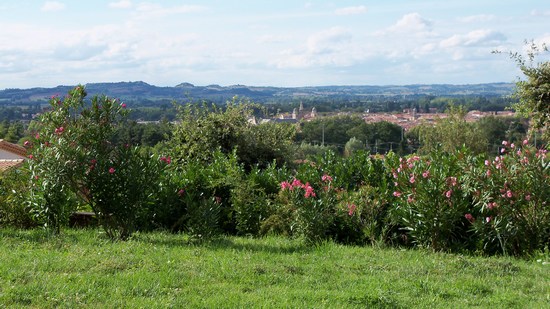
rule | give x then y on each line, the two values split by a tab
81	268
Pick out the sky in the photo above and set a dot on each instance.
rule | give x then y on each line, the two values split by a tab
279	43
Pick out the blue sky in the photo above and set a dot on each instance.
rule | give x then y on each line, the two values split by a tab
265	43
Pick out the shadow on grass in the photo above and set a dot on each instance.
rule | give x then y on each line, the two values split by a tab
274	245
267	244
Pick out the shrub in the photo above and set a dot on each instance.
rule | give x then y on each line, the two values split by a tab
14	191
512	214
252	199
73	156
430	198
313	208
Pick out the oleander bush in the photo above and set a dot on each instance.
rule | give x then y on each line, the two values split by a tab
511	194
14	192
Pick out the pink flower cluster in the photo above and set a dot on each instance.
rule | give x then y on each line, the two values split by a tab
351	209
296	183
59	130
93	162
166	160
326	178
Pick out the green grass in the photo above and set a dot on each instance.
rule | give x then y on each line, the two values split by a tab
81	268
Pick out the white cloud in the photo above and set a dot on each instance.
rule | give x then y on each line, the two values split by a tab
327	40
53	6
351	10
412	22
540	13
148	10
477	18
479	37
122	4
329	48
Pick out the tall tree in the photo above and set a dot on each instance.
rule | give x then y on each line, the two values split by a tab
534	91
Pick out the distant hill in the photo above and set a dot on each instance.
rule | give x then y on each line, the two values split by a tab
142	91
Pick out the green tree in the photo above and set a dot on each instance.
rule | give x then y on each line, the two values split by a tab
452	133
203	130
534	92
352	146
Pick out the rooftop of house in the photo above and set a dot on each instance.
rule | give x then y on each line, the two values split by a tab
13	148
12	161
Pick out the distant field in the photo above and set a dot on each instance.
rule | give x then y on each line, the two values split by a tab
84	269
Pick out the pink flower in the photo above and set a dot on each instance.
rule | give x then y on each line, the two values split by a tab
59	130
487	163
26	143
509	194
505	143
31	157
452	181
309	190
285	185
412	180
525	141
166	160
469	217
528	197
503	150
326	178
488	219
123	105
395	183
181	192
426	174
491	205
37	136
512	145
296	183
93	161
410	199
111	170
448	193
396	193
488	173
351	209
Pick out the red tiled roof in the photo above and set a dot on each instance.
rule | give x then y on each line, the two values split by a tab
6	164
14	148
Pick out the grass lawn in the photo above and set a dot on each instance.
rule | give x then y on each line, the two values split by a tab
81	268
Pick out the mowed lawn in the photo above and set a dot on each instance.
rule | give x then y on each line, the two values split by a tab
81	268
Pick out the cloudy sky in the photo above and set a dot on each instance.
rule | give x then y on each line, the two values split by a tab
257	42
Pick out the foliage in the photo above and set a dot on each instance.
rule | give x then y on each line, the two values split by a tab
534	91
195	198
313	208
203	130
431	199
511	194
252	198
74	158
452	133
352	145
14	191
379	137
